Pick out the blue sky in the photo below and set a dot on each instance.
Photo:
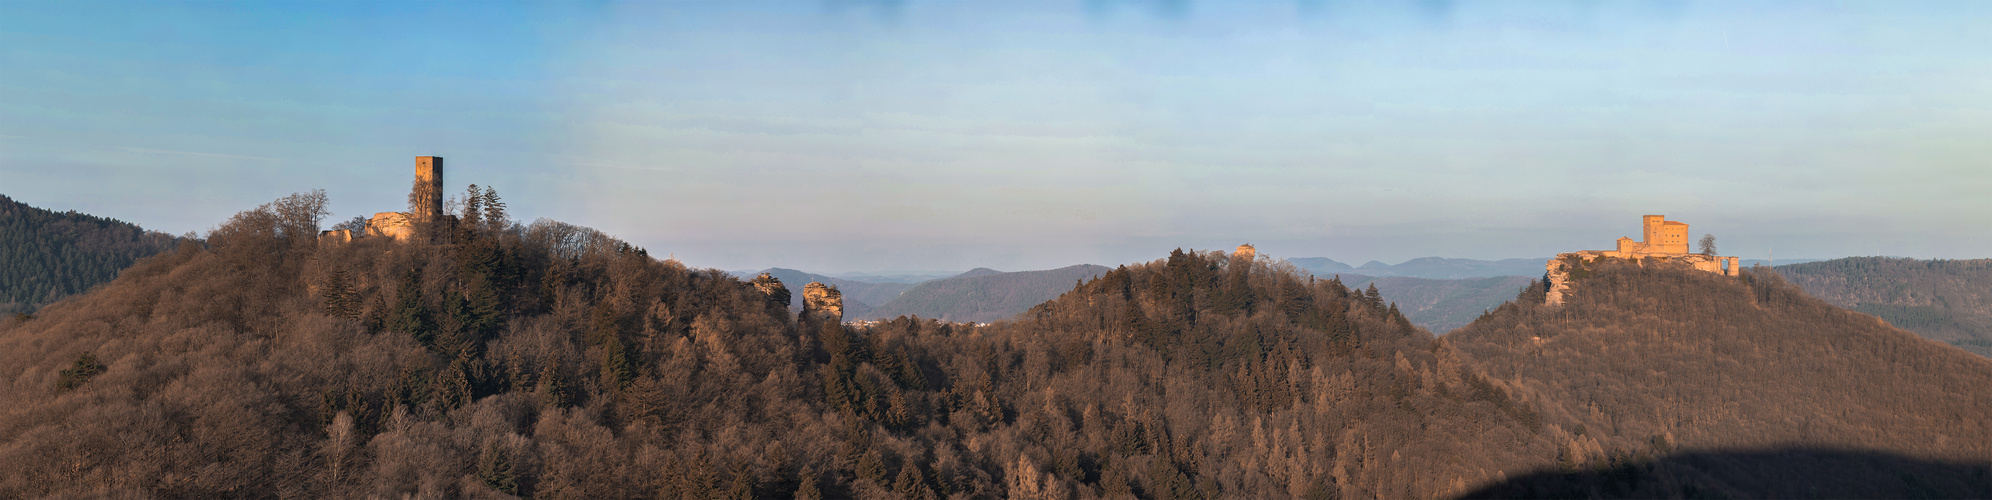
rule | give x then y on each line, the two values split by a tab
871	136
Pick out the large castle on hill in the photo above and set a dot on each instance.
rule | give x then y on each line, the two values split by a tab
1664	241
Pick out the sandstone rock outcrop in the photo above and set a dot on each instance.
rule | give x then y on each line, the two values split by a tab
397	225
822	302
772	288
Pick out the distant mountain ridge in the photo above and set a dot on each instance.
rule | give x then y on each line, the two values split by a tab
904	277
1944	300
1426	267
1441	305
985	295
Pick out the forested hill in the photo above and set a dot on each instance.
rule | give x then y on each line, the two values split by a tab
1714	366
47	255
487	359
1944	300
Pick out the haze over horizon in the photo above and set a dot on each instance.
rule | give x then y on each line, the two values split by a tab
890	136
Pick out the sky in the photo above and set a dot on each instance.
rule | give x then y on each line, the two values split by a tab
879	136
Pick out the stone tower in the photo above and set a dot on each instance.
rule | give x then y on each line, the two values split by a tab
822	302
426	201
1245	251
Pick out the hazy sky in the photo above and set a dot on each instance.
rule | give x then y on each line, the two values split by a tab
869	136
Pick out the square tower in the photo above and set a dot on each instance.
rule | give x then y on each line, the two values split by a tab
427	199
1650	230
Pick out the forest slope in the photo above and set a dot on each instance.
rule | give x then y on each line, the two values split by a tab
1673	359
47	255
1944	300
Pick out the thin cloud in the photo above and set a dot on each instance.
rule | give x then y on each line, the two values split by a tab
625	167
192	153
5	136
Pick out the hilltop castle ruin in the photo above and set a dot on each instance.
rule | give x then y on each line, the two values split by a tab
1663	241
425	200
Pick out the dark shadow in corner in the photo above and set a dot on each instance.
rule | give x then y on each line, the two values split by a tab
1784	473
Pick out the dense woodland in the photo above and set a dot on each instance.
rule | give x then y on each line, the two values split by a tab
493	359
47	255
1947	300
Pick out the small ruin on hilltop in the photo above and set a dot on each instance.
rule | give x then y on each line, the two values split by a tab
425	199
1664	241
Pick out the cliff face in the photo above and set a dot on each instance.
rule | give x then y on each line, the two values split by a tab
822	302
